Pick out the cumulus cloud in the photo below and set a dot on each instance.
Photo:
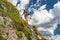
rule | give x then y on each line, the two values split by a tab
56	10
23	3
41	16
42	7
46	21
57	37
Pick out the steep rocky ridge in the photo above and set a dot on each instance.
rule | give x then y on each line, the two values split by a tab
12	27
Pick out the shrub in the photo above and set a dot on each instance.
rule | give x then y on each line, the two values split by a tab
19	34
1	38
44	38
27	33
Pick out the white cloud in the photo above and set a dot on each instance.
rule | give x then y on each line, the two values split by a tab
57	37
42	7
23	3
49	29
41	16
47	19
56	12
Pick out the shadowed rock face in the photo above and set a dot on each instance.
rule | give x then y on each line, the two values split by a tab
12	27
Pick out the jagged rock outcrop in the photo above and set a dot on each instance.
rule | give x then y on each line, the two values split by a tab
12	27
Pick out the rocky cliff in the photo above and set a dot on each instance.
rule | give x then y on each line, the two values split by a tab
12	27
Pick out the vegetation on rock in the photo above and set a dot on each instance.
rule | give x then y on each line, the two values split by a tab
13	27
1	38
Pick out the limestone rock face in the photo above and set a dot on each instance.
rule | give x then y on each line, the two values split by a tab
12	27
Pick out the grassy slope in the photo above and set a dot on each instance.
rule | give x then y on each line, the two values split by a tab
13	13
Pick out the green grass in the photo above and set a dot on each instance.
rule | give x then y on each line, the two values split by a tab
27	33
43	38
19	34
13	13
1	38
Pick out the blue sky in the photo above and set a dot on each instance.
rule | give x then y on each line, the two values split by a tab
57	30
49	4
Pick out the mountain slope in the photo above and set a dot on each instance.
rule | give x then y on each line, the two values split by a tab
12	27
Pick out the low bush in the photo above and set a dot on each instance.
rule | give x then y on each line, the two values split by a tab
1	38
